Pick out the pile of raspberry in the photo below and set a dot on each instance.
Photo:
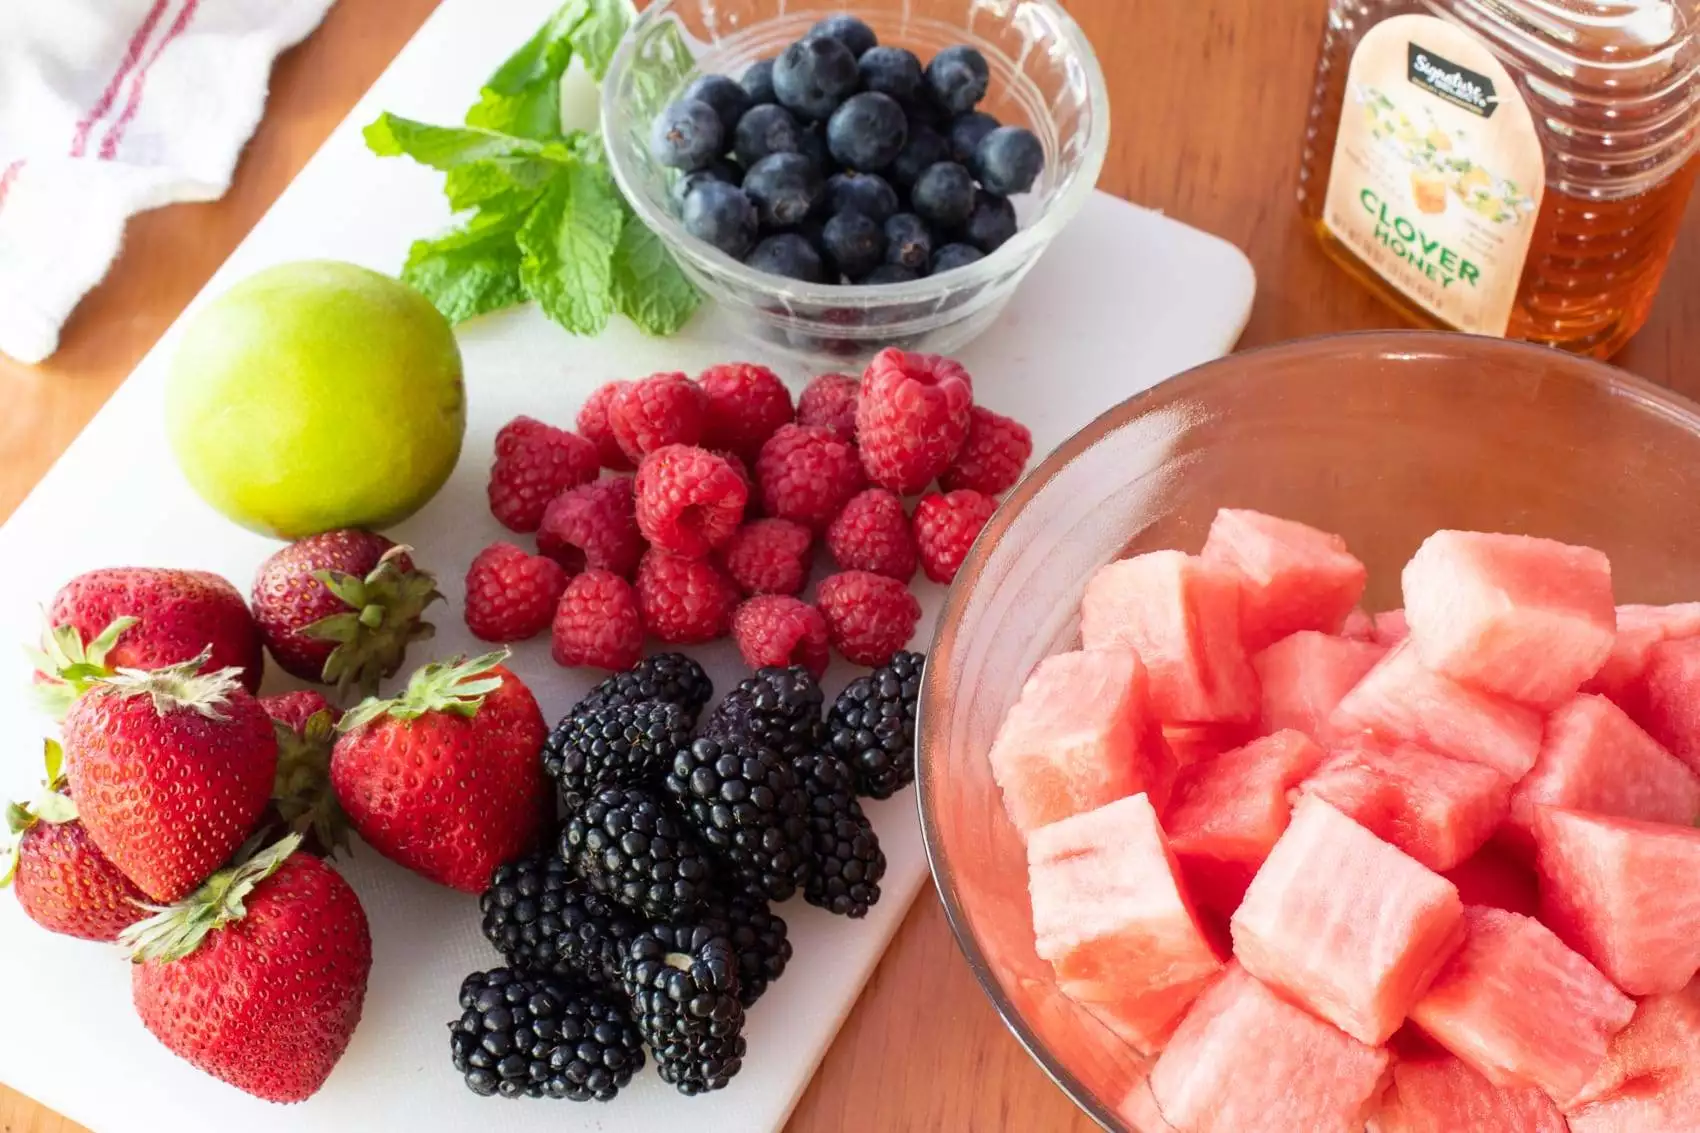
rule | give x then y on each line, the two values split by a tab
720	490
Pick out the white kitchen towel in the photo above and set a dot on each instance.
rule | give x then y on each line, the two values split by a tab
110	107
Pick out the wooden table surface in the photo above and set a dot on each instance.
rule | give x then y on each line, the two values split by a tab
1209	106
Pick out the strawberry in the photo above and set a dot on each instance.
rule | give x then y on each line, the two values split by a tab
302	799
64	883
342	607
142	618
171	768
259	978
447	779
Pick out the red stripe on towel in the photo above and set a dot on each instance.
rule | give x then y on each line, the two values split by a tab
132	54
115	135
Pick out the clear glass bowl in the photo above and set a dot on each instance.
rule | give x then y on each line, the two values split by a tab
1382	437
1044	77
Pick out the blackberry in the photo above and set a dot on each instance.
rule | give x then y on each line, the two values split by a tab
683	986
522	912
776	708
624	745
534	1036
630	845
595	933
759	936
848	860
672	677
872	726
745	801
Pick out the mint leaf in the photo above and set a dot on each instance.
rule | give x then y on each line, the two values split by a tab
598	34
447	147
471	271
485	184
568	247
523	97
649	288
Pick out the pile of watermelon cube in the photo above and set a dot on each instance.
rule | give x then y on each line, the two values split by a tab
1434	870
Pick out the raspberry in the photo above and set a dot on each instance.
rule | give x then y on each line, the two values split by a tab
806	473
946	526
745	403
830	400
872	533
660	410
769	556
742	469
511	595
597	623
775	629
593	424
534	464
689	501
594	526
993	457
911	418
869	617
684	601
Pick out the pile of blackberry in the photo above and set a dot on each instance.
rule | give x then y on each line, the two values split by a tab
649	922
842	160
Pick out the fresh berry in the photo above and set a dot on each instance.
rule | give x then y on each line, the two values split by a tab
594	527
684	601
779	708
534	464
806	473
624	745
660	410
769	556
763	131
721	216
890	70
993	457
911	418
170	768
758	82
908	242
784	187
945	528
992	224
672	677
537	1036
720	170
848	30
872	726
867	132
259	978
848	860
305	725
683	985
889	273
953	256
872	533
926	148
543	919
689	501
687	134
789	255
597	623
965	133
745	403
745	801
812	76
869	617
728	99
854	244
631	845
957	78
511	595
830	401
594	426
743	470
759	936
775	629
1008	160
943	196
866	193
446	779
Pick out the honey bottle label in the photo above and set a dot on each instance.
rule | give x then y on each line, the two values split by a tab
1438	172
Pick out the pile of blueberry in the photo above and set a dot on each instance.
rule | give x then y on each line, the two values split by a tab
844	160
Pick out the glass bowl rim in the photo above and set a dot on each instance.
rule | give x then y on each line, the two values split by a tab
1646	395
1027	243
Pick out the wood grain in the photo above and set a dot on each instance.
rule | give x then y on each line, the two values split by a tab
1209	104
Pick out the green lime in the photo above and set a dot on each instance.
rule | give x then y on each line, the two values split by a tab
317	395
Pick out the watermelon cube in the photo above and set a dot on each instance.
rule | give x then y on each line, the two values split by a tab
1303	677
1296	577
1623	893
1110	916
1524	618
1662	1041
1401	699
1344	924
1391	627
1522	1008
1358	626
1660	1105
1181	615
1079	737
1443	1095
1437	810
1196	743
1246	1061
1666	705
1228	813
1494	877
1639	628
1595	758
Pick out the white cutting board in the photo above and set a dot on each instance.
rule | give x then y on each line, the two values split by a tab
1124	299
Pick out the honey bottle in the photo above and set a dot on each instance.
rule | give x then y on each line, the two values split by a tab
1506	167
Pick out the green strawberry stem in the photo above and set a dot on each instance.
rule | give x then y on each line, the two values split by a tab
175	931
70	667
51	806
384	618
457	687
302	790
182	685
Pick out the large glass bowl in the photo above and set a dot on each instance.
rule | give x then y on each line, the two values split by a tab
1044	77
1382	437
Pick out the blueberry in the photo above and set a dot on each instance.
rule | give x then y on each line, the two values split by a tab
722	215
966	130
765	130
811	143
991	223
889	273
958	77
814	75
867	193
925	149
718	170
728	99
855	244
758	83
790	255
867	132
890	70
812	229
943	195
953	256
923	111
1009	160
687	135
849	31
908	242
784	187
